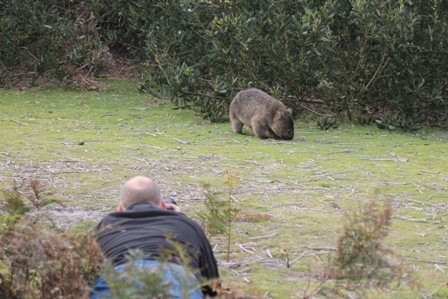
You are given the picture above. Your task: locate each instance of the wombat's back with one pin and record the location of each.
(250, 102)
(254, 97)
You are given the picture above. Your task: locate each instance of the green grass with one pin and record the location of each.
(83, 145)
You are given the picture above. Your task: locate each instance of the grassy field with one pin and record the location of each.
(84, 145)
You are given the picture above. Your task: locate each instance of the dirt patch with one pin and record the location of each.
(56, 180)
(64, 217)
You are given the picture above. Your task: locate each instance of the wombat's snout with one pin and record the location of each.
(289, 134)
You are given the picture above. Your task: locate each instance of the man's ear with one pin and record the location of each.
(120, 209)
(163, 205)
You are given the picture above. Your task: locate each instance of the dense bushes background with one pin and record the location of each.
(48, 39)
(361, 59)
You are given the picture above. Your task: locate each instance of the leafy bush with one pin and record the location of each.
(36, 259)
(36, 262)
(361, 261)
(361, 256)
(48, 38)
(349, 57)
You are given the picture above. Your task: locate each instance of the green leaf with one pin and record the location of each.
(295, 21)
(308, 11)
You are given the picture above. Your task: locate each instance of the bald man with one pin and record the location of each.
(142, 222)
(142, 189)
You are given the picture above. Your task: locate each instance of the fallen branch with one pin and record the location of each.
(427, 203)
(320, 248)
(426, 261)
(245, 249)
(410, 219)
(345, 151)
(298, 258)
(263, 237)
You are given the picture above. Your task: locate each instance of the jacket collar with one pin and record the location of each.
(140, 206)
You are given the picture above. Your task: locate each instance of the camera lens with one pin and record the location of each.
(171, 201)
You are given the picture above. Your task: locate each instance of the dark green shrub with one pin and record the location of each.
(48, 39)
(384, 57)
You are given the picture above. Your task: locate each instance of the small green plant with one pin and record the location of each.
(39, 197)
(213, 218)
(135, 281)
(327, 123)
(361, 254)
(364, 120)
(230, 211)
(15, 205)
(361, 260)
(395, 122)
(220, 213)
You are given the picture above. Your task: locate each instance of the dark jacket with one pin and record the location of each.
(146, 228)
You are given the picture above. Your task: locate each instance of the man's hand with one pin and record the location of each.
(171, 204)
(173, 207)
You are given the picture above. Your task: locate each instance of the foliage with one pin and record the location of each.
(213, 218)
(135, 281)
(361, 261)
(36, 260)
(392, 123)
(220, 213)
(15, 205)
(327, 123)
(361, 256)
(230, 212)
(48, 38)
(350, 57)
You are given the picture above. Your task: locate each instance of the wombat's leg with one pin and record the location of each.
(259, 130)
(237, 125)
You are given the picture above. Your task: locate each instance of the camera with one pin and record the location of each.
(171, 201)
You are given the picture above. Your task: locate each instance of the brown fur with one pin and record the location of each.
(262, 113)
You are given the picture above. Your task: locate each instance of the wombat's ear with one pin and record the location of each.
(290, 110)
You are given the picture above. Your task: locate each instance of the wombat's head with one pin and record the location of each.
(283, 124)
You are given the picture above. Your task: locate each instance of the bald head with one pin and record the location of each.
(140, 189)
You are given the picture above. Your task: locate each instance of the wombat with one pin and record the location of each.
(262, 113)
